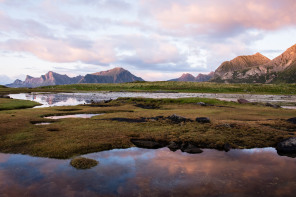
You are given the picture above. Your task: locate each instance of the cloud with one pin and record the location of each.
(5, 80)
(211, 17)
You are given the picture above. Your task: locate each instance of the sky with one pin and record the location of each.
(153, 39)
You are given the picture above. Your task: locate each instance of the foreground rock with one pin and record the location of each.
(150, 144)
(243, 101)
(287, 146)
(292, 120)
(202, 120)
(272, 105)
(178, 119)
(190, 148)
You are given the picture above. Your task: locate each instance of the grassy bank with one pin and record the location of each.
(10, 104)
(240, 126)
(167, 86)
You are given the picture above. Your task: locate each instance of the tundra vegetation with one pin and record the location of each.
(232, 124)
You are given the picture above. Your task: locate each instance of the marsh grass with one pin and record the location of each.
(10, 104)
(241, 126)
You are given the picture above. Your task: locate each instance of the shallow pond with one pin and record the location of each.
(66, 99)
(72, 116)
(143, 172)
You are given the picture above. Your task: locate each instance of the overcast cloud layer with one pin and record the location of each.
(156, 40)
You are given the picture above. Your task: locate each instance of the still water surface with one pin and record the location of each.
(67, 99)
(143, 172)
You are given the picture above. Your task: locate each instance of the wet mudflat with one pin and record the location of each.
(161, 172)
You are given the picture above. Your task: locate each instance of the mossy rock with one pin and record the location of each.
(83, 163)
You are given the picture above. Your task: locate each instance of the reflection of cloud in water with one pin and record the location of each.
(134, 172)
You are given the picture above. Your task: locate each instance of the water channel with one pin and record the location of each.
(64, 99)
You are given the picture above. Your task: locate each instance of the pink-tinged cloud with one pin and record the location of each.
(216, 15)
(62, 51)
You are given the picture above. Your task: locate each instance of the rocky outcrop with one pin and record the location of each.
(149, 144)
(116, 75)
(259, 69)
(198, 78)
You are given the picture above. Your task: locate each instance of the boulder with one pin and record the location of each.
(272, 105)
(226, 147)
(243, 101)
(150, 144)
(178, 119)
(190, 148)
(201, 104)
(173, 146)
(292, 120)
(202, 120)
(287, 146)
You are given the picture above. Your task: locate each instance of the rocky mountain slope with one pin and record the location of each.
(259, 69)
(116, 75)
(50, 78)
(198, 78)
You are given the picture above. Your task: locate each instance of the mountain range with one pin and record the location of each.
(198, 78)
(243, 69)
(115, 75)
(258, 69)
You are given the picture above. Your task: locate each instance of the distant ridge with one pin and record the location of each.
(116, 75)
(50, 78)
(259, 69)
(198, 78)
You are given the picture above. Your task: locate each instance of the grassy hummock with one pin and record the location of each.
(83, 163)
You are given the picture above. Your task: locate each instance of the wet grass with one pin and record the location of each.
(166, 86)
(240, 126)
(10, 104)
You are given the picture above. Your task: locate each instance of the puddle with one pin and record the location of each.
(289, 107)
(72, 116)
(72, 99)
(43, 123)
(143, 172)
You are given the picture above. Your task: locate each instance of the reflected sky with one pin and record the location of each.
(72, 99)
(143, 172)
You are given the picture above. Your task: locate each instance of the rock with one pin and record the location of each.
(226, 147)
(272, 105)
(4, 96)
(173, 146)
(287, 146)
(202, 120)
(190, 148)
(201, 104)
(243, 101)
(178, 119)
(292, 120)
(150, 144)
